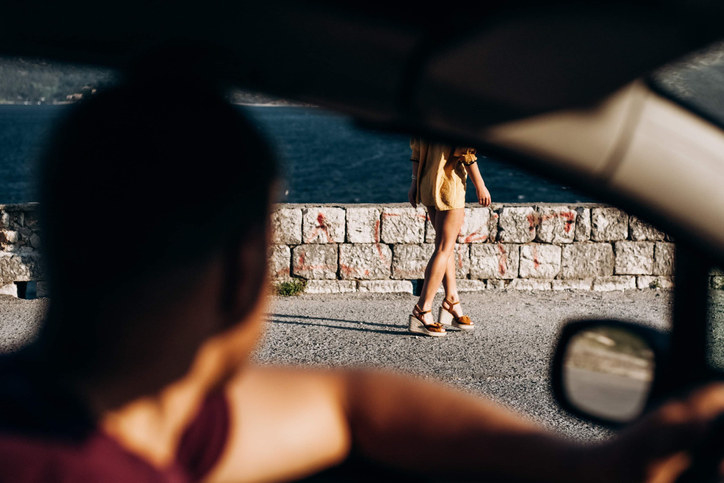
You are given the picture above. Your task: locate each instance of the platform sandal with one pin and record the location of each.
(448, 317)
(418, 325)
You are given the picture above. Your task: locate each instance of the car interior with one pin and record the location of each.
(622, 100)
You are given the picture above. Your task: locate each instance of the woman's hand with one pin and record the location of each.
(412, 194)
(483, 194)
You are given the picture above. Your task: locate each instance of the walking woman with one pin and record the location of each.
(439, 174)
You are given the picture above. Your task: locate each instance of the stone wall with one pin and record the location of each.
(19, 247)
(384, 248)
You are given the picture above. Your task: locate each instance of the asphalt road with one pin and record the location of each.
(506, 358)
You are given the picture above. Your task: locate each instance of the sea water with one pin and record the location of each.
(325, 158)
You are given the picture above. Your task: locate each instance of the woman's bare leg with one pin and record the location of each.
(448, 282)
(447, 226)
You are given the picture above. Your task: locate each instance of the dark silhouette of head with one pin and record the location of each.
(143, 184)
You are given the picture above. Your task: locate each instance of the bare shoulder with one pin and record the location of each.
(285, 422)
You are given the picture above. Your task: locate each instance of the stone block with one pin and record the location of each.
(363, 225)
(365, 261)
(280, 257)
(323, 225)
(385, 286)
(583, 224)
(465, 285)
(462, 260)
(583, 284)
(640, 230)
(586, 260)
(608, 224)
(663, 258)
(717, 271)
(286, 226)
(517, 224)
(500, 284)
(610, 284)
(315, 261)
(20, 267)
(539, 261)
(529, 284)
(9, 289)
(330, 286)
(557, 224)
(494, 261)
(717, 283)
(35, 241)
(12, 217)
(403, 225)
(8, 239)
(646, 282)
(476, 226)
(409, 261)
(634, 258)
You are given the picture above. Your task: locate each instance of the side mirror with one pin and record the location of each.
(607, 371)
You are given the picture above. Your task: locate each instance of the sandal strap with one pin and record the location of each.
(436, 326)
(422, 312)
(451, 303)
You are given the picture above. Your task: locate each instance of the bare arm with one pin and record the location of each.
(288, 423)
(480, 188)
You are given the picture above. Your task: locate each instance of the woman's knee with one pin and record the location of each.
(445, 247)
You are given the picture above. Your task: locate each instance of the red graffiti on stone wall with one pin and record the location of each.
(322, 227)
(502, 259)
(351, 272)
(380, 253)
(568, 217)
(474, 237)
(302, 265)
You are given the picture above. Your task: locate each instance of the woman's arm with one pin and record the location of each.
(468, 156)
(480, 189)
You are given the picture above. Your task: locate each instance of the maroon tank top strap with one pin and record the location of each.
(203, 441)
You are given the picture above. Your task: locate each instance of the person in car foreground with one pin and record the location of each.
(155, 212)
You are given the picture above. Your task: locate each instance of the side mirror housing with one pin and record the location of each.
(608, 371)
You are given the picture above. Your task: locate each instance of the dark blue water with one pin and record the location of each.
(325, 159)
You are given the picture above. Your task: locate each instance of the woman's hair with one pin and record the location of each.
(143, 183)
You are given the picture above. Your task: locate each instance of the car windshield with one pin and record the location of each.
(537, 239)
(697, 82)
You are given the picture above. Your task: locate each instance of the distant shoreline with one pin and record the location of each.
(245, 104)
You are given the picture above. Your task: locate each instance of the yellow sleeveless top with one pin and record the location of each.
(441, 174)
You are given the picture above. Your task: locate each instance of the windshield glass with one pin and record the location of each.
(697, 82)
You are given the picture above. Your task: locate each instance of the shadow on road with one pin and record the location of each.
(294, 320)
